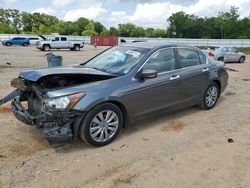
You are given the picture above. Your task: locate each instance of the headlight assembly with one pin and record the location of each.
(64, 102)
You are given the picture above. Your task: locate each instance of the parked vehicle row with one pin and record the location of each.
(96, 99)
(44, 44)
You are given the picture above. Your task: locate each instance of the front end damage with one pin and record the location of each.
(28, 106)
(32, 103)
(57, 127)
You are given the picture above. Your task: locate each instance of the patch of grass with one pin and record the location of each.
(244, 50)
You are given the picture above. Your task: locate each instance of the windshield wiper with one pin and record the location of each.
(101, 70)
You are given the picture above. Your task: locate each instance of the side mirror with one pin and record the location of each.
(148, 73)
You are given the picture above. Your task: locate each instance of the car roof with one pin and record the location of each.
(152, 45)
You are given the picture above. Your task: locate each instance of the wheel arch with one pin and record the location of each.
(241, 57)
(219, 84)
(116, 103)
(46, 45)
(123, 110)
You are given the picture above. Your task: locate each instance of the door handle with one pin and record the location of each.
(174, 77)
(205, 69)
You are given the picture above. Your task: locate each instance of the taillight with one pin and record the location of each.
(211, 54)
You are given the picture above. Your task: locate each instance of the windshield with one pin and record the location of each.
(117, 60)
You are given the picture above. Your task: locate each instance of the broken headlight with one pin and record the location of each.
(64, 102)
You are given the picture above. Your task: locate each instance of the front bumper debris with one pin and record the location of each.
(9, 97)
(58, 134)
(20, 113)
(54, 130)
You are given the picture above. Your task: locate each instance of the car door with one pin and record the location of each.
(64, 42)
(225, 54)
(234, 56)
(194, 74)
(15, 41)
(55, 43)
(151, 94)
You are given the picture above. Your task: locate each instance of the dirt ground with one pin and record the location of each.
(188, 148)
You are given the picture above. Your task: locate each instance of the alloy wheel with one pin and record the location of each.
(211, 96)
(104, 126)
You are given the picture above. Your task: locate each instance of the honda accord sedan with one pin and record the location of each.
(93, 101)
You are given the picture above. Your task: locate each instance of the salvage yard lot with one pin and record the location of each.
(188, 148)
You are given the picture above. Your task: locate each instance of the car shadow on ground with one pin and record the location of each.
(148, 122)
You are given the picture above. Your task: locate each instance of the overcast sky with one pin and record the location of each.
(145, 13)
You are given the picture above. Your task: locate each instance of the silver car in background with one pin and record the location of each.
(227, 54)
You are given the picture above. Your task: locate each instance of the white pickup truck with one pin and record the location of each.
(59, 42)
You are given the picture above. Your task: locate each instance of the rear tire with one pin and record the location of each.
(46, 48)
(101, 125)
(242, 59)
(210, 97)
(77, 48)
(25, 44)
(220, 59)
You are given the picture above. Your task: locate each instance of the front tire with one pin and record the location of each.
(210, 97)
(46, 48)
(25, 44)
(242, 59)
(8, 44)
(101, 125)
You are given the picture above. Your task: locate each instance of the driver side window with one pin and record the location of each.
(162, 61)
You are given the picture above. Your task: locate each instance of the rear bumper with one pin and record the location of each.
(54, 131)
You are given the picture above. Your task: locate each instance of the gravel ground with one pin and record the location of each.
(188, 148)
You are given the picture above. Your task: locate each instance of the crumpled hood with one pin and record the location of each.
(36, 74)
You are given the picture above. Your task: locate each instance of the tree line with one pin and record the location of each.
(180, 25)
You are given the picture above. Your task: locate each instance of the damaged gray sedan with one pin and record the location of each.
(98, 98)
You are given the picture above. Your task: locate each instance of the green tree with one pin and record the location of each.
(81, 24)
(90, 30)
(126, 30)
(98, 27)
(113, 31)
(6, 28)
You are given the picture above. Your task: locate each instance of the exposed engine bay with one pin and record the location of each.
(58, 81)
(58, 124)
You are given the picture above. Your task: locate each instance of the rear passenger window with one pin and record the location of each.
(225, 49)
(63, 39)
(162, 61)
(203, 58)
(188, 57)
(231, 50)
